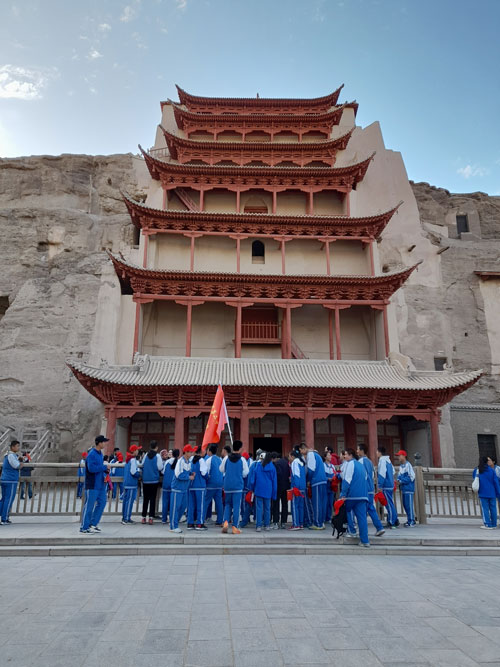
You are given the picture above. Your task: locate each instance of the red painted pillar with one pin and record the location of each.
(179, 427)
(137, 328)
(283, 267)
(275, 201)
(202, 200)
(386, 331)
(348, 203)
(164, 202)
(244, 429)
(110, 430)
(372, 260)
(327, 255)
(372, 435)
(237, 342)
(435, 443)
(238, 254)
(311, 203)
(191, 259)
(238, 201)
(309, 427)
(330, 332)
(288, 344)
(189, 314)
(145, 256)
(338, 353)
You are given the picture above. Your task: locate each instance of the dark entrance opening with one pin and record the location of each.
(268, 445)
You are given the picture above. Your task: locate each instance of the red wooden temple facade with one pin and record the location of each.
(251, 271)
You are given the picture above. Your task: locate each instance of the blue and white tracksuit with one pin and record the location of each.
(166, 488)
(131, 476)
(247, 508)
(116, 472)
(81, 478)
(385, 482)
(264, 484)
(9, 481)
(95, 489)
(298, 481)
(489, 491)
(316, 476)
(406, 479)
(355, 491)
(180, 485)
(351, 522)
(234, 468)
(372, 512)
(214, 486)
(329, 496)
(196, 494)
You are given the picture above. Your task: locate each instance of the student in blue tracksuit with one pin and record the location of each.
(180, 485)
(12, 464)
(351, 521)
(248, 508)
(372, 512)
(489, 491)
(298, 486)
(81, 476)
(214, 483)
(168, 474)
(196, 494)
(234, 468)
(95, 487)
(385, 483)
(406, 479)
(131, 474)
(330, 496)
(264, 485)
(152, 466)
(116, 472)
(316, 477)
(355, 491)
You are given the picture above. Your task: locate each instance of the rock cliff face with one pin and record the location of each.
(57, 215)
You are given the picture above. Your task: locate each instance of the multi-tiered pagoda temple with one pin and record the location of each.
(258, 267)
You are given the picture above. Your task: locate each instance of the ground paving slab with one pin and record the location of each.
(142, 611)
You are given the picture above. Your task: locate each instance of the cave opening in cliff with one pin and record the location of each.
(4, 304)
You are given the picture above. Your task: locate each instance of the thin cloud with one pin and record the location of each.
(472, 171)
(181, 4)
(104, 27)
(94, 54)
(23, 83)
(128, 14)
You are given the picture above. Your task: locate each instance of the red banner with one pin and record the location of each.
(216, 421)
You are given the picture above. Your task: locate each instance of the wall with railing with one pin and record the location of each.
(439, 493)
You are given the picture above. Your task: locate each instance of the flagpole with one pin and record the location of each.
(227, 417)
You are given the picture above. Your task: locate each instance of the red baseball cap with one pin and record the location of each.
(187, 448)
(133, 448)
(401, 453)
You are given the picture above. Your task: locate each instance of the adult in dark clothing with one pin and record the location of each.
(152, 466)
(283, 475)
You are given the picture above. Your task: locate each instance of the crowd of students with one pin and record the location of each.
(233, 488)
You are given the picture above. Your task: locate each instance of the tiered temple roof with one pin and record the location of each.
(244, 152)
(306, 226)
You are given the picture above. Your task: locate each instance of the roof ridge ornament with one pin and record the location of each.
(142, 362)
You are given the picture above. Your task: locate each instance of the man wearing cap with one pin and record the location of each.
(95, 489)
(406, 479)
(131, 476)
(180, 484)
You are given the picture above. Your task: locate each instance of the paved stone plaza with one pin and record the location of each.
(213, 611)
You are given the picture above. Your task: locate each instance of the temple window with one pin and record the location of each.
(462, 224)
(258, 252)
(439, 363)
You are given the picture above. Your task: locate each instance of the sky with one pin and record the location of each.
(87, 76)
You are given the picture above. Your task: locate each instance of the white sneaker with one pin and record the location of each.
(183, 519)
(175, 530)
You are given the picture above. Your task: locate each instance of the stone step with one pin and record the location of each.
(95, 548)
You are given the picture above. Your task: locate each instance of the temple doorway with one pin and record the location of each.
(268, 445)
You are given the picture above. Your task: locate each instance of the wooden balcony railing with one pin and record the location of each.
(260, 332)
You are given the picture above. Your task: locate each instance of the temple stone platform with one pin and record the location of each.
(60, 536)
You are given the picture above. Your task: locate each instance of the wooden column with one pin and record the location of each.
(202, 200)
(348, 203)
(237, 342)
(327, 255)
(145, 256)
(191, 259)
(372, 435)
(435, 443)
(372, 259)
(189, 325)
(244, 430)
(179, 427)
(137, 327)
(330, 333)
(238, 201)
(309, 427)
(338, 354)
(275, 201)
(283, 267)
(386, 331)
(111, 429)
(164, 200)
(311, 203)
(288, 343)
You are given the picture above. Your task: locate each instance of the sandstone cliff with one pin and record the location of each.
(57, 215)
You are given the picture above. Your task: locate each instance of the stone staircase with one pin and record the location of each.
(38, 441)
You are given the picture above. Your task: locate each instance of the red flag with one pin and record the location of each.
(216, 421)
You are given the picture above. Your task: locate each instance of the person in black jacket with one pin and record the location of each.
(283, 474)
